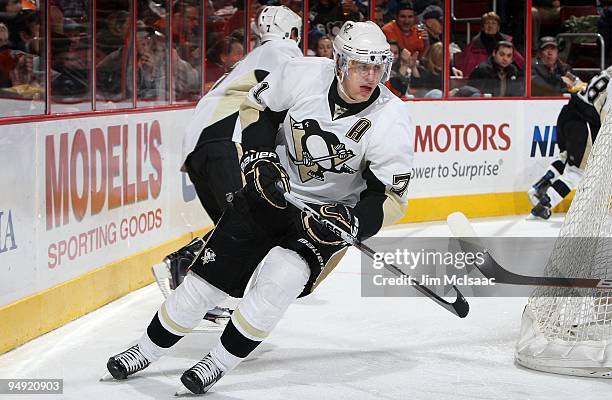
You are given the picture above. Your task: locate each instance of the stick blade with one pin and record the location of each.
(459, 225)
(462, 229)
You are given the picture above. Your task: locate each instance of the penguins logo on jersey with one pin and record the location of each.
(209, 256)
(318, 151)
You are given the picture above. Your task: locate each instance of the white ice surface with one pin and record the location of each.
(333, 344)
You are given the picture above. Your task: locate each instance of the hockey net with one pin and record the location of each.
(569, 331)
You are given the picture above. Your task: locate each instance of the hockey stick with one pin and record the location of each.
(468, 239)
(459, 307)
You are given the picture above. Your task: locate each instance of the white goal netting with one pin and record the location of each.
(569, 331)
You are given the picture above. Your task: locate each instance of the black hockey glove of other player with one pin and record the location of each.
(338, 214)
(262, 170)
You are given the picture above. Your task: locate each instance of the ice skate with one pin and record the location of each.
(126, 363)
(538, 190)
(171, 271)
(540, 211)
(200, 378)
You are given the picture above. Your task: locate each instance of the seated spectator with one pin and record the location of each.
(481, 47)
(187, 32)
(25, 32)
(9, 9)
(498, 76)
(403, 29)
(19, 60)
(324, 47)
(115, 71)
(222, 57)
(548, 71)
(433, 19)
(7, 62)
(401, 70)
(112, 33)
(428, 74)
(313, 39)
(71, 79)
(385, 11)
(326, 11)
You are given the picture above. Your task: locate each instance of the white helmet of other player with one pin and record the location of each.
(277, 22)
(365, 43)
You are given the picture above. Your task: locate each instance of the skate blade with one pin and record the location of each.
(161, 272)
(182, 391)
(532, 217)
(107, 377)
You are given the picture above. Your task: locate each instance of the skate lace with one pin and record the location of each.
(132, 359)
(207, 371)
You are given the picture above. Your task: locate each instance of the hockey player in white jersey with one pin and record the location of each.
(210, 157)
(577, 127)
(333, 135)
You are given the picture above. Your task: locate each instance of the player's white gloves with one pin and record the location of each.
(261, 172)
(340, 215)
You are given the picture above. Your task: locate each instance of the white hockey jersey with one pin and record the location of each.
(224, 99)
(333, 151)
(597, 92)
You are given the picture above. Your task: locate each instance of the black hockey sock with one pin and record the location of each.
(559, 166)
(560, 187)
(236, 343)
(160, 335)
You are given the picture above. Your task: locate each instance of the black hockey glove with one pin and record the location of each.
(340, 215)
(261, 172)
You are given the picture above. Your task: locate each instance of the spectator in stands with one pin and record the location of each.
(385, 11)
(222, 57)
(71, 79)
(326, 11)
(324, 47)
(401, 71)
(481, 47)
(403, 29)
(433, 19)
(9, 9)
(186, 31)
(313, 39)
(115, 71)
(498, 76)
(427, 75)
(76, 10)
(7, 62)
(25, 32)
(112, 33)
(548, 71)
(16, 66)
